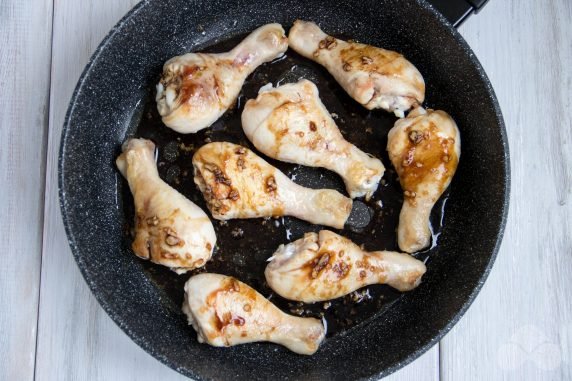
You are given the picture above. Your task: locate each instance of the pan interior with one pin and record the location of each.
(244, 246)
(114, 101)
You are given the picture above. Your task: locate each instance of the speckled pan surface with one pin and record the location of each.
(113, 101)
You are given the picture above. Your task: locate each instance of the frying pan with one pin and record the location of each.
(371, 333)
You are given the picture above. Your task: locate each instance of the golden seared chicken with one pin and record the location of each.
(236, 183)
(290, 123)
(323, 266)
(170, 230)
(225, 312)
(424, 148)
(375, 77)
(197, 88)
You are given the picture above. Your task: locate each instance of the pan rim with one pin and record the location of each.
(147, 346)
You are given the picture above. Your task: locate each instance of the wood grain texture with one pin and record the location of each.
(77, 340)
(520, 327)
(25, 39)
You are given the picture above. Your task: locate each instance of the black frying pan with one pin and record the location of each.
(370, 335)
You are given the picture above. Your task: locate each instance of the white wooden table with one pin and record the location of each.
(520, 326)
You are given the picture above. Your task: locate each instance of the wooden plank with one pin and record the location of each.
(425, 367)
(76, 338)
(25, 40)
(520, 327)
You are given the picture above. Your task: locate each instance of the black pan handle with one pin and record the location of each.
(457, 11)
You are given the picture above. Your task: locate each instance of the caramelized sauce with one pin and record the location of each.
(427, 155)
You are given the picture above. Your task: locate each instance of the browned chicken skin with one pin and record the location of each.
(323, 266)
(236, 183)
(225, 312)
(424, 148)
(374, 77)
(169, 229)
(290, 123)
(197, 88)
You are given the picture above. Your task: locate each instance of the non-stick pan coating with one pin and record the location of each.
(114, 100)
